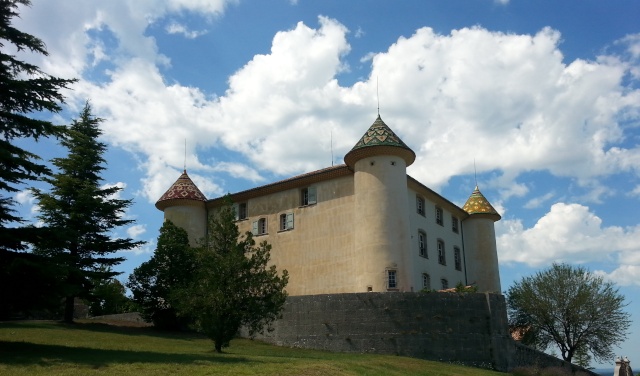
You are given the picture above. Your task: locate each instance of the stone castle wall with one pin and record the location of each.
(469, 329)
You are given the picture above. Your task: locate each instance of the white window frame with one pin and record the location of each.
(286, 221)
(259, 227)
(242, 214)
(392, 279)
(426, 281)
(442, 257)
(422, 244)
(308, 196)
(420, 205)
(439, 215)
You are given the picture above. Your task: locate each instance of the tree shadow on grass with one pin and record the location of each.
(24, 353)
(102, 328)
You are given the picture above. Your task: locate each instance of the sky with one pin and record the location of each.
(536, 101)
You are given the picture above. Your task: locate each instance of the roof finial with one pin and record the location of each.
(475, 172)
(378, 95)
(331, 138)
(185, 155)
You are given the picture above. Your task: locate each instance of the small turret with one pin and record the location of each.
(381, 212)
(184, 205)
(480, 243)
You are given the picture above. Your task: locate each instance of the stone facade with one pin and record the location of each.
(365, 226)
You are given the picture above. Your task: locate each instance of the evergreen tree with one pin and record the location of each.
(25, 89)
(82, 214)
(152, 283)
(232, 285)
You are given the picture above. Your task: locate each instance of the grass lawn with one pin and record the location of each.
(49, 348)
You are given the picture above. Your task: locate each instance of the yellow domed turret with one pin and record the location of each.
(480, 243)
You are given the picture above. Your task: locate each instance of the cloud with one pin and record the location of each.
(568, 233)
(536, 202)
(177, 28)
(135, 231)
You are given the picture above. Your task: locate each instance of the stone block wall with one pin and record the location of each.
(469, 329)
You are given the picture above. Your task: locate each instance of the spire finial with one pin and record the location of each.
(378, 95)
(185, 155)
(475, 172)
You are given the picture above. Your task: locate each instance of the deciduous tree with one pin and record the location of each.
(233, 284)
(571, 308)
(172, 265)
(82, 213)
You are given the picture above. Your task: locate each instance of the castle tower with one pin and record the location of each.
(480, 243)
(184, 205)
(381, 211)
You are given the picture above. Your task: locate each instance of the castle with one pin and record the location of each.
(363, 226)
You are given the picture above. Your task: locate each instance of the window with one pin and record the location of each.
(286, 221)
(420, 205)
(259, 227)
(454, 224)
(441, 257)
(439, 216)
(426, 281)
(422, 244)
(456, 258)
(242, 210)
(392, 282)
(308, 196)
(445, 283)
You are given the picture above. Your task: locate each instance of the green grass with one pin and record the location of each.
(48, 348)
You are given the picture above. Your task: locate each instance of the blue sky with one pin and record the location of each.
(543, 95)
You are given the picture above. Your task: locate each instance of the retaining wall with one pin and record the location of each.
(469, 329)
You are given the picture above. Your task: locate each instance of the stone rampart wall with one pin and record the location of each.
(525, 356)
(469, 328)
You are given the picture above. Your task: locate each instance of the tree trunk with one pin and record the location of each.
(218, 346)
(68, 309)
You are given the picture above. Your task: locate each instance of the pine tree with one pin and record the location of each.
(25, 89)
(82, 214)
(232, 286)
(153, 282)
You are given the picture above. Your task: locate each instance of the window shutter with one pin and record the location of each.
(236, 211)
(254, 228)
(289, 221)
(312, 195)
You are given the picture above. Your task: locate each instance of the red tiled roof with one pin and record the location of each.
(183, 189)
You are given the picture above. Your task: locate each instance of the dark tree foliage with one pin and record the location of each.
(109, 297)
(25, 90)
(82, 214)
(233, 286)
(571, 308)
(29, 286)
(171, 266)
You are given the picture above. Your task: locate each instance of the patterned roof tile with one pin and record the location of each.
(379, 134)
(478, 204)
(183, 189)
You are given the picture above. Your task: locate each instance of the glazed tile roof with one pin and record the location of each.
(478, 204)
(380, 136)
(183, 189)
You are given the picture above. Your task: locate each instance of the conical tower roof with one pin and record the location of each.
(379, 139)
(182, 191)
(477, 204)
